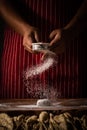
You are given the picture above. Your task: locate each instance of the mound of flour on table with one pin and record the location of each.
(43, 102)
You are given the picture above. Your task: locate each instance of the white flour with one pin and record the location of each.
(34, 86)
(38, 69)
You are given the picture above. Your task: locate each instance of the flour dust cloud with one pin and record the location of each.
(34, 86)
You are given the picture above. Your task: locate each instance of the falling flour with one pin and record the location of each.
(46, 64)
(35, 87)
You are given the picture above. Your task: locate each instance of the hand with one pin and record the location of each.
(31, 35)
(58, 40)
(57, 43)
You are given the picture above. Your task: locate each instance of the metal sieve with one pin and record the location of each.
(39, 46)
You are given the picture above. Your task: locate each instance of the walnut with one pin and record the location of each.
(52, 123)
(77, 122)
(65, 121)
(30, 122)
(5, 122)
(84, 122)
(43, 117)
(18, 120)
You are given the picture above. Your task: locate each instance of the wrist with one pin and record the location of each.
(25, 29)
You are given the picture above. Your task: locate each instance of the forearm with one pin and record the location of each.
(12, 18)
(79, 21)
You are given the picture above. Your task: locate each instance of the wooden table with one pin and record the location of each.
(30, 104)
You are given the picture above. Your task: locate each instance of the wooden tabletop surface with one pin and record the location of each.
(30, 104)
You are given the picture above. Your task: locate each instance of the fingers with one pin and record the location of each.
(57, 43)
(55, 36)
(45, 55)
(28, 39)
(28, 49)
(55, 40)
(37, 36)
(34, 36)
(52, 34)
(27, 44)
